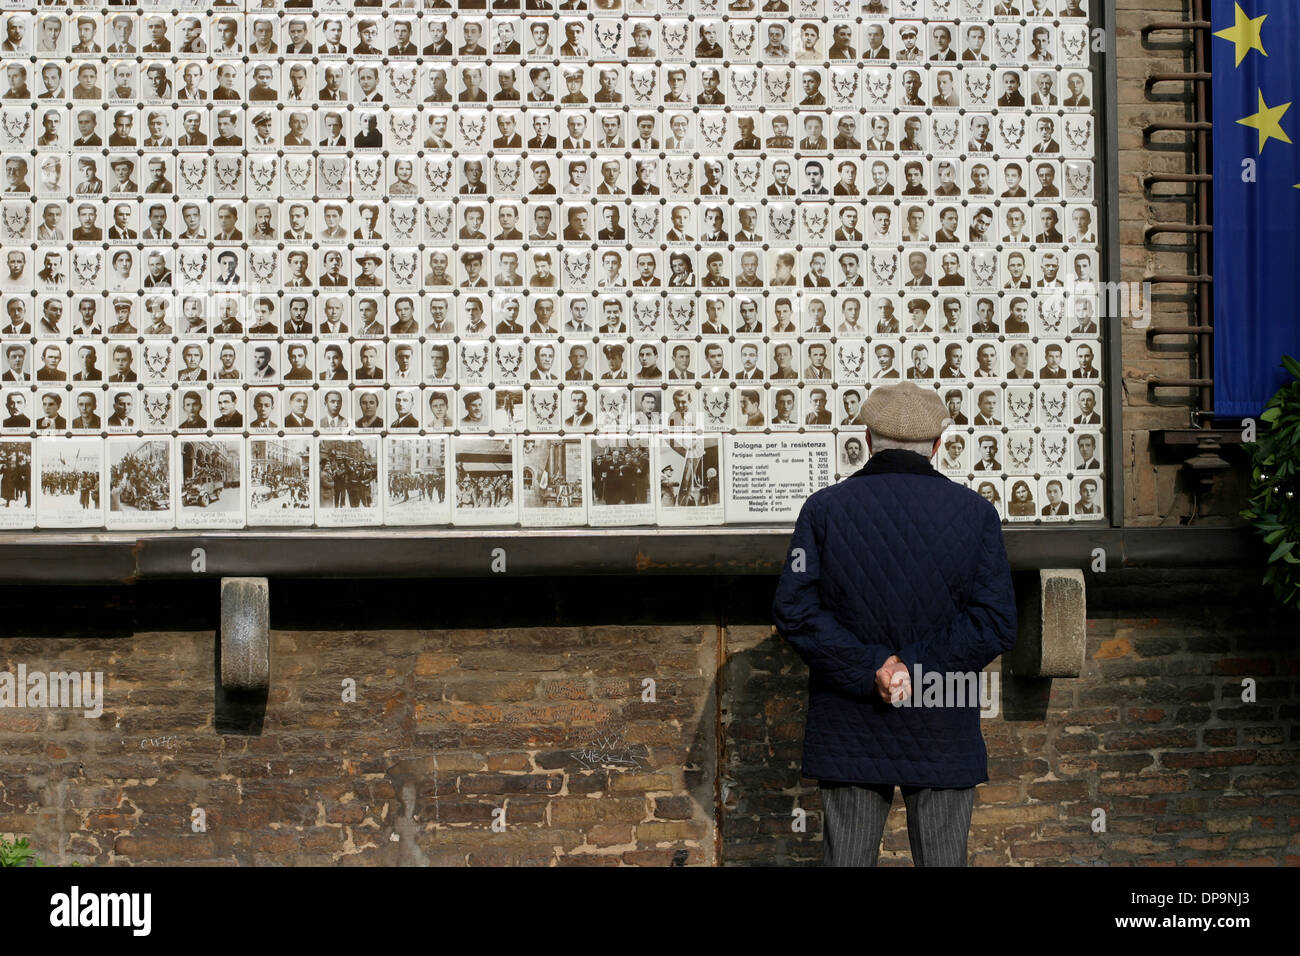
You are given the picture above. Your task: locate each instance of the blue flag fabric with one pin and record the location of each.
(1256, 68)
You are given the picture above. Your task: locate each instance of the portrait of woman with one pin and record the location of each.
(1022, 501)
(989, 492)
(682, 271)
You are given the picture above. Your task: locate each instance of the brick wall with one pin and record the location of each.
(527, 697)
(551, 726)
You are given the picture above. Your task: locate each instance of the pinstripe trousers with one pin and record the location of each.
(938, 823)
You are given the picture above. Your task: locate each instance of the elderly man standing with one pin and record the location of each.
(896, 571)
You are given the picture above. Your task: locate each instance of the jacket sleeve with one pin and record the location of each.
(986, 626)
(832, 652)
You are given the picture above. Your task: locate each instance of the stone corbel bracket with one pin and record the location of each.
(1053, 626)
(245, 634)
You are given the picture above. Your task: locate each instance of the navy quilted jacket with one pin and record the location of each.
(894, 560)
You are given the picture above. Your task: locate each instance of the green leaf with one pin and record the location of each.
(1275, 474)
(1283, 548)
(14, 854)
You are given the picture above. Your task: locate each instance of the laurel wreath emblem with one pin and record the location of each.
(884, 266)
(744, 84)
(402, 82)
(1079, 177)
(675, 38)
(262, 174)
(298, 173)
(157, 360)
(227, 171)
(16, 128)
(679, 316)
(1008, 40)
(474, 360)
(1079, 134)
(438, 176)
(194, 172)
(333, 171)
(777, 85)
(781, 220)
(87, 265)
(437, 222)
(645, 314)
(18, 222)
(609, 36)
(1012, 133)
(742, 34)
(642, 84)
(369, 174)
(158, 408)
(402, 126)
(717, 405)
(978, 88)
(844, 88)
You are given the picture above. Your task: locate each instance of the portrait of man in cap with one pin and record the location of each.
(123, 170)
(263, 126)
(123, 326)
(369, 276)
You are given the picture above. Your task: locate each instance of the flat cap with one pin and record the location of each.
(905, 412)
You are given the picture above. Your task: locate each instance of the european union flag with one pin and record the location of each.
(1256, 200)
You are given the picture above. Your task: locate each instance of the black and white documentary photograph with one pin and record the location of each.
(347, 476)
(552, 481)
(689, 473)
(415, 480)
(483, 489)
(619, 469)
(280, 486)
(140, 483)
(211, 483)
(70, 479)
(17, 464)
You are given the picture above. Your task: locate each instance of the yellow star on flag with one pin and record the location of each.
(1268, 121)
(1245, 34)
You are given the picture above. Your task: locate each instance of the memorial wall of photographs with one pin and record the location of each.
(601, 262)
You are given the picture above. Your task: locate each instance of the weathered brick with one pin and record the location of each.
(507, 783)
(659, 832)
(577, 811)
(674, 808)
